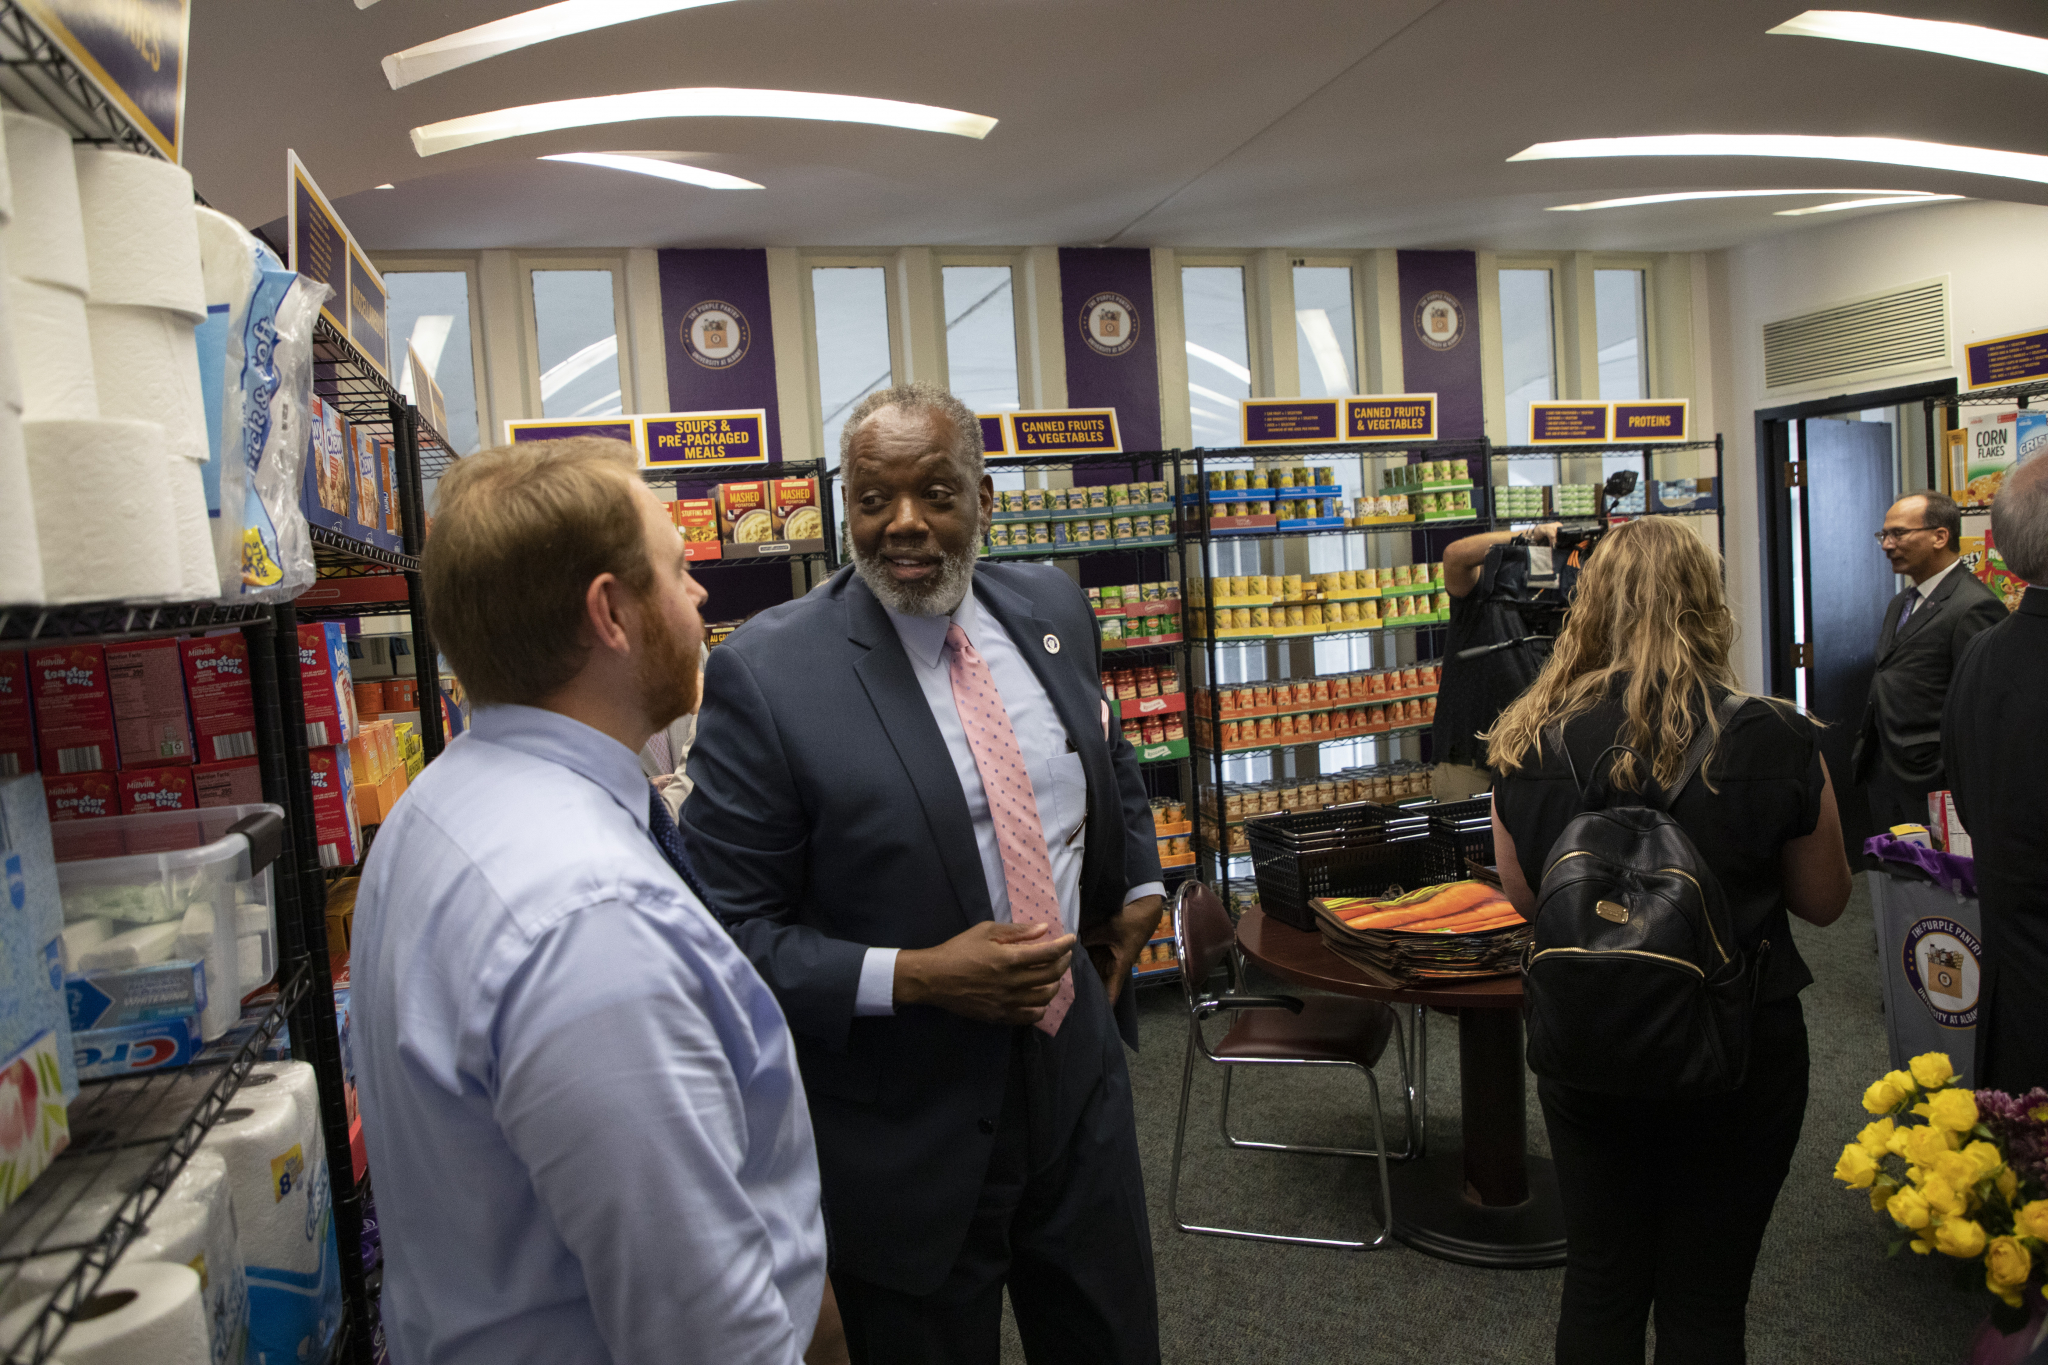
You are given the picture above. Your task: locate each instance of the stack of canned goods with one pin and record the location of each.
(1387, 782)
(1287, 484)
(1171, 814)
(1426, 474)
(1366, 686)
(1273, 476)
(1152, 731)
(1314, 727)
(1286, 588)
(1136, 613)
(1070, 515)
(1130, 684)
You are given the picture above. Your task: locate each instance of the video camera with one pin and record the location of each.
(1550, 595)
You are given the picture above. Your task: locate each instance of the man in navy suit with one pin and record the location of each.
(860, 791)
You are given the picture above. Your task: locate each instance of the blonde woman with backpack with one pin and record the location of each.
(1657, 826)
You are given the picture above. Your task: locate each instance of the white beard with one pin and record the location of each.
(939, 595)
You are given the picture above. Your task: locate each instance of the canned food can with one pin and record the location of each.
(1060, 534)
(1098, 496)
(1034, 499)
(999, 537)
(1156, 492)
(1120, 528)
(1326, 476)
(1169, 680)
(1238, 479)
(1041, 533)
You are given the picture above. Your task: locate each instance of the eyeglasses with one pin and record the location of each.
(1892, 535)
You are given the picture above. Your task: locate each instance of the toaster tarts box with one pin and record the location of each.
(387, 465)
(795, 515)
(335, 827)
(144, 791)
(223, 703)
(324, 679)
(746, 520)
(151, 720)
(74, 709)
(17, 718)
(86, 796)
(325, 495)
(697, 520)
(230, 782)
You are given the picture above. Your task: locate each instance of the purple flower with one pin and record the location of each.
(2019, 1125)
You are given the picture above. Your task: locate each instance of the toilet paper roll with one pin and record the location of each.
(277, 1177)
(103, 517)
(83, 934)
(227, 262)
(151, 361)
(53, 352)
(143, 946)
(197, 577)
(6, 184)
(194, 1227)
(145, 1311)
(21, 556)
(141, 240)
(46, 238)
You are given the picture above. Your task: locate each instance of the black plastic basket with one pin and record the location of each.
(1361, 850)
(1468, 824)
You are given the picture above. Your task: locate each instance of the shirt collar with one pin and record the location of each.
(1927, 588)
(556, 738)
(924, 637)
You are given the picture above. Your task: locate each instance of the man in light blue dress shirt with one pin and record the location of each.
(589, 1133)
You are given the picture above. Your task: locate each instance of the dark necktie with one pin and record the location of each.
(1912, 601)
(661, 827)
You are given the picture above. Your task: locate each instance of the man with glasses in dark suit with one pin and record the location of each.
(1898, 752)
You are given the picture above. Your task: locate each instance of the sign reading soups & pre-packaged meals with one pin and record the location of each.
(677, 440)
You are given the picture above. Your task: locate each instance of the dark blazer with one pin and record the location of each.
(828, 818)
(1995, 744)
(1901, 733)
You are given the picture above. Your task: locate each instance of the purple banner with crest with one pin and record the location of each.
(1440, 337)
(1112, 350)
(720, 342)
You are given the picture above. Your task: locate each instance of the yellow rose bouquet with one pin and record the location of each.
(1968, 1180)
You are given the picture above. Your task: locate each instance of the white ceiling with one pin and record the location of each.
(1293, 123)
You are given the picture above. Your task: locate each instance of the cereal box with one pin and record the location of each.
(697, 519)
(325, 491)
(369, 512)
(74, 710)
(1995, 442)
(17, 724)
(387, 472)
(324, 679)
(795, 513)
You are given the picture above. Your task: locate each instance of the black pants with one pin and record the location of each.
(1893, 802)
(1665, 1203)
(1061, 1221)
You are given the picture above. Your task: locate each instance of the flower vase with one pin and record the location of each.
(2028, 1346)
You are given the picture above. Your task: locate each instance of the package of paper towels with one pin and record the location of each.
(21, 555)
(145, 1313)
(46, 239)
(103, 515)
(141, 241)
(277, 1174)
(53, 349)
(10, 369)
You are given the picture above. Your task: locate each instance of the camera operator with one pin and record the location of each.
(1487, 576)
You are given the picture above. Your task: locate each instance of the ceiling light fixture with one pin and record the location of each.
(1971, 42)
(1866, 204)
(387, 186)
(1890, 151)
(663, 170)
(704, 102)
(520, 30)
(1684, 195)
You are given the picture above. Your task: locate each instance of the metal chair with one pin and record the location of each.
(1276, 1030)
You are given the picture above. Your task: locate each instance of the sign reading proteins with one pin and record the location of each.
(1653, 419)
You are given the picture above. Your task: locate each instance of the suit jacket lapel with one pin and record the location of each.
(899, 702)
(1931, 607)
(1889, 636)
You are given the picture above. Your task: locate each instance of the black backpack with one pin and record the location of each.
(1634, 983)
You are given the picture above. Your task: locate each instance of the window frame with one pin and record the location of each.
(892, 305)
(1647, 267)
(1246, 264)
(447, 263)
(1359, 263)
(1013, 260)
(524, 263)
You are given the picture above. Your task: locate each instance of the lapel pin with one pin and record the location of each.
(1052, 644)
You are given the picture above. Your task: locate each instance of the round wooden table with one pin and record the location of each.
(1488, 1202)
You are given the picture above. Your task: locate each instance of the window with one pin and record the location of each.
(850, 305)
(1527, 346)
(1219, 352)
(430, 310)
(1323, 334)
(1620, 333)
(981, 336)
(576, 338)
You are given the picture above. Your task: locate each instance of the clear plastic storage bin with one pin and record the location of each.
(196, 883)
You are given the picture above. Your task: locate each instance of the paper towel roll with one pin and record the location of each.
(145, 1311)
(53, 350)
(197, 578)
(227, 261)
(21, 556)
(6, 184)
(103, 516)
(10, 368)
(151, 364)
(141, 239)
(46, 239)
(277, 1175)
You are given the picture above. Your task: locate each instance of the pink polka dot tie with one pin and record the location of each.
(1020, 836)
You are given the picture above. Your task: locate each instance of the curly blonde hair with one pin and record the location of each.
(1649, 616)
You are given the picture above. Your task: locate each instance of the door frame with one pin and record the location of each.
(1774, 506)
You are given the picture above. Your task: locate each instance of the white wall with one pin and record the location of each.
(1996, 259)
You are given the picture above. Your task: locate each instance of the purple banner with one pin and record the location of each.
(1440, 337)
(2008, 360)
(561, 429)
(1112, 354)
(721, 346)
(1289, 421)
(1649, 421)
(992, 440)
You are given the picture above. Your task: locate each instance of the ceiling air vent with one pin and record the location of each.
(1879, 334)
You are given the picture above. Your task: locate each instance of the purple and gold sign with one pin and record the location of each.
(1440, 342)
(995, 438)
(1290, 421)
(1552, 424)
(134, 52)
(366, 307)
(677, 440)
(1661, 420)
(1112, 350)
(2008, 360)
(319, 243)
(562, 428)
(1391, 417)
(1066, 431)
(721, 346)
